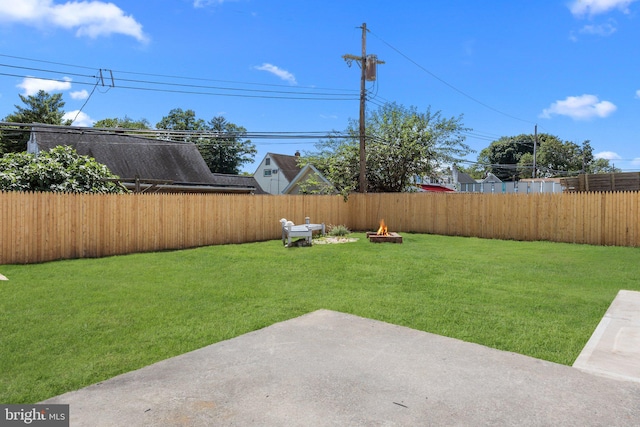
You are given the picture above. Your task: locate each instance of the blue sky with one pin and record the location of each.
(571, 67)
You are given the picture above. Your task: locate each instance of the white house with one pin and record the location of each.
(276, 171)
(281, 174)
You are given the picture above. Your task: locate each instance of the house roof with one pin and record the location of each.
(237, 181)
(491, 178)
(465, 178)
(435, 188)
(134, 157)
(303, 175)
(288, 165)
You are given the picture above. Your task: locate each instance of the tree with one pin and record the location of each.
(502, 157)
(401, 143)
(181, 120)
(40, 108)
(124, 123)
(601, 166)
(225, 151)
(511, 158)
(61, 169)
(220, 142)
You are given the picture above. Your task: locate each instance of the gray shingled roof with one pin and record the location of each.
(288, 165)
(237, 181)
(464, 178)
(132, 156)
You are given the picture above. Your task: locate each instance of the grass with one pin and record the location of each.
(68, 324)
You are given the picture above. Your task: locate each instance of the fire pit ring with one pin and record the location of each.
(383, 235)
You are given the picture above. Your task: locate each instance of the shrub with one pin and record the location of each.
(61, 169)
(338, 230)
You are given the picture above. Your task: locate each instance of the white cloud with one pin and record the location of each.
(79, 94)
(88, 18)
(599, 30)
(283, 74)
(608, 155)
(582, 107)
(204, 3)
(79, 118)
(32, 85)
(596, 7)
(638, 94)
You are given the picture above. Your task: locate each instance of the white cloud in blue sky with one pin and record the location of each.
(583, 107)
(88, 18)
(31, 86)
(204, 3)
(277, 71)
(638, 94)
(597, 7)
(608, 155)
(606, 29)
(79, 118)
(79, 94)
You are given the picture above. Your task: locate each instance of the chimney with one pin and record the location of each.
(297, 153)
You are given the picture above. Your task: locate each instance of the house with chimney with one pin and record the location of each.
(282, 174)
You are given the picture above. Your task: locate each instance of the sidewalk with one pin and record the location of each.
(333, 369)
(614, 348)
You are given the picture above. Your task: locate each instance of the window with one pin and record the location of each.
(267, 172)
(267, 161)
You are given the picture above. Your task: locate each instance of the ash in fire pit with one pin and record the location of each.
(383, 235)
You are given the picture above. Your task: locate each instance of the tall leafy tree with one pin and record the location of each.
(181, 120)
(123, 123)
(401, 143)
(221, 143)
(39, 108)
(502, 157)
(511, 158)
(225, 150)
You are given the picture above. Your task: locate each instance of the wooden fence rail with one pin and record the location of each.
(38, 227)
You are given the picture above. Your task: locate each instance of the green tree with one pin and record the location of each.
(338, 160)
(314, 185)
(602, 166)
(39, 108)
(61, 169)
(181, 120)
(401, 143)
(512, 157)
(502, 157)
(224, 150)
(220, 142)
(122, 123)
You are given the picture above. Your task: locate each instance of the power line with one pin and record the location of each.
(298, 90)
(449, 84)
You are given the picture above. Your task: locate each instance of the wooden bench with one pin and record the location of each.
(289, 230)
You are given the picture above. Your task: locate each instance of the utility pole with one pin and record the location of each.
(535, 144)
(362, 60)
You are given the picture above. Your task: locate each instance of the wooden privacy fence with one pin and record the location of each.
(37, 227)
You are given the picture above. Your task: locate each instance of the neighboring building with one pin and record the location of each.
(276, 171)
(143, 164)
(281, 174)
(492, 184)
(316, 182)
(434, 188)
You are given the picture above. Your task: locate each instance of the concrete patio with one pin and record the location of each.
(328, 369)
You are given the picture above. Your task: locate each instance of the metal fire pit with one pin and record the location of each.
(390, 237)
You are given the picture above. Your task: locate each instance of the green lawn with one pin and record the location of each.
(68, 324)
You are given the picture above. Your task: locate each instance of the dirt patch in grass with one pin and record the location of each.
(331, 239)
